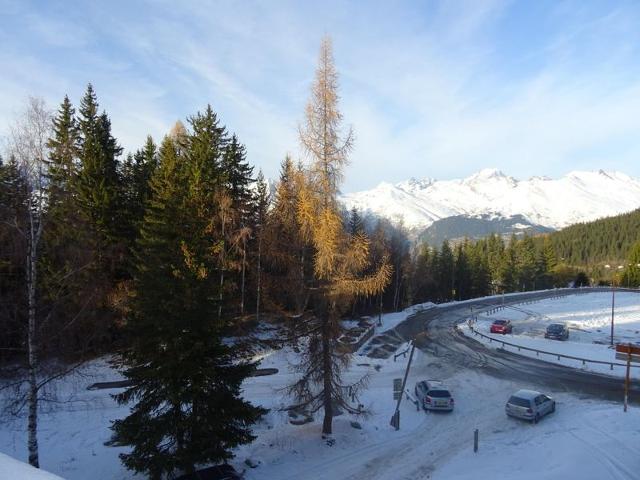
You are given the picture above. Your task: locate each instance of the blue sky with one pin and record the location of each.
(432, 89)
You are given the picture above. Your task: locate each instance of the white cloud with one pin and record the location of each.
(431, 89)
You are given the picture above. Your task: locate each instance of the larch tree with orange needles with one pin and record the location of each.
(340, 259)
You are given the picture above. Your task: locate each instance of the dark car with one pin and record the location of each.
(501, 326)
(217, 472)
(557, 331)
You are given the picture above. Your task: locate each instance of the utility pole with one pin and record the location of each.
(395, 420)
(613, 302)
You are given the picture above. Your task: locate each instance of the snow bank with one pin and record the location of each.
(12, 469)
(391, 320)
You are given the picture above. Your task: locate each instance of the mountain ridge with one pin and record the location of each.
(579, 196)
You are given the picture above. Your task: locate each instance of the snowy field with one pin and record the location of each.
(588, 318)
(584, 439)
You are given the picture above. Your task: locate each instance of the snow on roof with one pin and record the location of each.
(526, 394)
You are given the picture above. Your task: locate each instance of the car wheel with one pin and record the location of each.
(536, 419)
(553, 407)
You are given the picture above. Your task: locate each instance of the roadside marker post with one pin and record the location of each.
(630, 353)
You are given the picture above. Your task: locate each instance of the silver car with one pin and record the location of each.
(529, 405)
(433, 395)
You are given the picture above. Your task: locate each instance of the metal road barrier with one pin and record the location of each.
(552, 354)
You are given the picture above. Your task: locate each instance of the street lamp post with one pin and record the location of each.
(613, 302)
(613, 299)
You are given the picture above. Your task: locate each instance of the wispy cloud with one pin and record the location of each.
(432, 89)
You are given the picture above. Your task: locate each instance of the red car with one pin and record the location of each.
(501, 326)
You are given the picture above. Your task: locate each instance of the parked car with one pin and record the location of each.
(501, 326)
(529, 405)
(434, 395)
(557, 331)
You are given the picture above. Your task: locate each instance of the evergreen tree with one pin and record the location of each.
(13, 248)
(262, 202)
(186, 379)
(507, 276)
(238, 177)
(549, 253)
(445, 273)
(136, 173)
(62, 161)
(356, 226)
(463, 281)
(98, 185)
(526, 263)
(631, 274)
(287, 254)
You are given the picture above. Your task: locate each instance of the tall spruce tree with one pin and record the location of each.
(186, 379)
(262, 201)
(98, 185)
(238, 178)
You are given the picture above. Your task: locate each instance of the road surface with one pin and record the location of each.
(434, 332)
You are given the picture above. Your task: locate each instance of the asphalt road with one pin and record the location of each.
(434, 332)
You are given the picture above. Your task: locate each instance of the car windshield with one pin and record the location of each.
(439, 393)
(555, 327)
(520, 402)
(500, 322)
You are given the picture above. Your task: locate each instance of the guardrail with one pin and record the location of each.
(552, 354)
(402, 354)
(560, 293)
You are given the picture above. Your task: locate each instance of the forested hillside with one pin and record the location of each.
(607, 240)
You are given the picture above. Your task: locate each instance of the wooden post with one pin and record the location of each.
(475, 441)
(626, 380)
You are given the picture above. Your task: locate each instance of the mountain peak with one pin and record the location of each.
(489, 173)
(579, 196)
(416, 183)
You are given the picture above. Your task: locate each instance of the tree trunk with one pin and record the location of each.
(396, 292)
(327, 377)
(259, 276)
(32, 398)
(244, 262)
(300, 300)
(222, 265)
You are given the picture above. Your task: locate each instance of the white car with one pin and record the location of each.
(529, 405)
(433, 395)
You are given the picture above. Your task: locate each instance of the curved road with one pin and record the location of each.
(434, 332)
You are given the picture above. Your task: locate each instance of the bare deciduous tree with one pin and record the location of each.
(28, 145)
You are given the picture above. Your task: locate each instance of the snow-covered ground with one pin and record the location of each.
(589, 320)
(391, 320)
(585, 439)
(10, 468)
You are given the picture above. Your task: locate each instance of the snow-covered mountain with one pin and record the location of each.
(554, 203)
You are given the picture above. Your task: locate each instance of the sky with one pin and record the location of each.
(437, 89)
